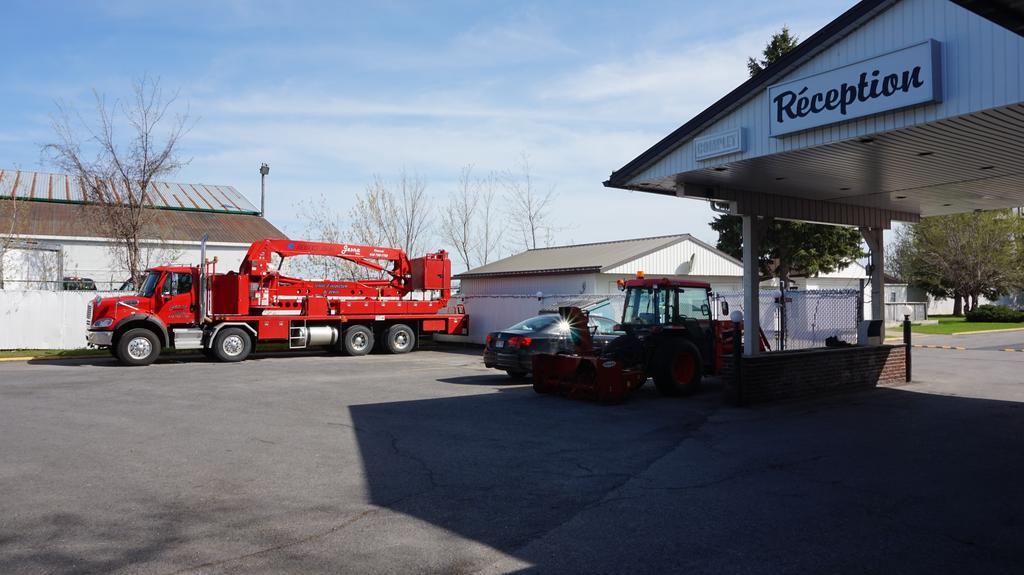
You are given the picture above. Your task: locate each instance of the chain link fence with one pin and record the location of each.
(804, 319)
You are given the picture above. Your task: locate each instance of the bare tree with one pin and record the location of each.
(8, 227)
(116, 172)
(322, 223)
(528, 206)
(488, 229)
(458, 220)
(395, 214)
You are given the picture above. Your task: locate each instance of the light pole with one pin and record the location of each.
(264, 170)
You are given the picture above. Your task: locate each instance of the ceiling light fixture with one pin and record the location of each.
(866, 140)
(922, 154)
(780, 178)
(844, 189)
(721, 169)
(901, 197)
(986, 167)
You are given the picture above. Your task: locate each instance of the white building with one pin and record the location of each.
(55, 240)
(504, 292)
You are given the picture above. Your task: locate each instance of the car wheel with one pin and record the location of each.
(138, 346)
(358, 340)
(232, 344)
(400, 338)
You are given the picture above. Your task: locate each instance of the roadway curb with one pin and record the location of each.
(925, 346)
(988, 331)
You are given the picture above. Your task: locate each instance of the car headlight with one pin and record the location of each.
(104, 322)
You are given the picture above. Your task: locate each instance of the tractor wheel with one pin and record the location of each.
(358, 340)
(232, 344)
(625, 348)
(399, 338)
(138, 346)
(677, 368)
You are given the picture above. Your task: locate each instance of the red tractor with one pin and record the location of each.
(670, 337)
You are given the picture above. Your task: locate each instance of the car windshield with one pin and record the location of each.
(149, 284)
(536, 324)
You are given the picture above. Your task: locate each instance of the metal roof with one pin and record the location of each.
(595, 257)
(62, 188)
(65, 219)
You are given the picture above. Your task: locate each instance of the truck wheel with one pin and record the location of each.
(677, 368)
(232, 344)
(138, 346)
(400, 339)
(358, 340)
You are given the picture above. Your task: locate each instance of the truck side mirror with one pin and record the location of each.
(725, 308)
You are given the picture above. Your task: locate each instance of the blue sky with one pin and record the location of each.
(331, 93)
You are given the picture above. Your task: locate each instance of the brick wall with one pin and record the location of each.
(795, 374)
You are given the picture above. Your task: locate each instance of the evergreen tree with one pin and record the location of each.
(790, 249)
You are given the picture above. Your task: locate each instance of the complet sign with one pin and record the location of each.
(730, 142)
(899, 79)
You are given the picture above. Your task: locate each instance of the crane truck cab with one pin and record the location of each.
(135, 327)
(225, 315)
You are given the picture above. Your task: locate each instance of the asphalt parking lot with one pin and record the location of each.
(429, 463)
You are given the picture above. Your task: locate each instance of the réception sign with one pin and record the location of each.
(899, 79)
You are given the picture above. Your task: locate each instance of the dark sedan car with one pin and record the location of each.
(512, 349)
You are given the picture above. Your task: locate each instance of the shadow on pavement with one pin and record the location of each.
(888, 480)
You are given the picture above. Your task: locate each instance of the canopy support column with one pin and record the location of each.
(753, 232)
(873, 237)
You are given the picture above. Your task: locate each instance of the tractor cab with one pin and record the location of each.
(664, 307)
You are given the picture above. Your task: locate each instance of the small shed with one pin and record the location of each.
(501, 293)
(504, 292)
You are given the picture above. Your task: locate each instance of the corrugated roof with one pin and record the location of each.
(38, 218)
(61, 188)
(579, 258)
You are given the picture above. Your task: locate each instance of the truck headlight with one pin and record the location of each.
(104, 322)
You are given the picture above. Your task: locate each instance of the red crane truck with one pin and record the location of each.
(226, 314)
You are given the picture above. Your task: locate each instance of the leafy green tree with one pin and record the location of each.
(964, 256)
(793, 249)
(790, 249)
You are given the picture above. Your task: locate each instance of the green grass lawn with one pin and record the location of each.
(56, 353)
(51, 352)
(949, 324)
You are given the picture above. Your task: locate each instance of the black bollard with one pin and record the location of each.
(737, 359)
(906, 341)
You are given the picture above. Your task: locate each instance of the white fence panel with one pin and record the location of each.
(43, 319)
